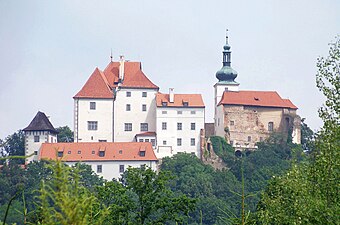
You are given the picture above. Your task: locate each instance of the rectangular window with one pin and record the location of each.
(179, 112)
(101, 140)
(36, 138)
(128, 107)
(193, 126)
(164, 126)
(35, 152)
(164, 112)
(144, 127)
(69, 152)
(60, 154)
(121, 168)
(127, 126)
(193, 112)
(93, 152)
(92, 125)
(143, 108)
(232, 123)
(146, 140)
(140, 140)
(249, 138)
(120, 151)
(164, 142)
(142, 153)
(79, 152)
(153, 142)
(270, 126)
(185, 103)
(179, 126)
(179, 141)
(99, 168)
(164, 103)
(192, 142)
(261, 139)
(128, 94)
(231, 143)
(144, 94)
(92, 105)
(101, 153)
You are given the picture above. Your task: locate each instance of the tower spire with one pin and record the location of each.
(226, 51)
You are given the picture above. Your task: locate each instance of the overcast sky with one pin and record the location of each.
(48, 49)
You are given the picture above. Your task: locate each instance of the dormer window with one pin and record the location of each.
(120, 151)
(60, 154)
(256, 99)
(142, 153)
(185, 103)
(164, 103)
(101, 153)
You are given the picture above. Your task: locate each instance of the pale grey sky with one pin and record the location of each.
(48, 49)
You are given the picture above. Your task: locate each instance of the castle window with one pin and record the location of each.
(92, 105)
(121, 169)
(179, 126)
(164, 126)
(144, 127)
(193, 112)
(128, 94)
(193, 126)
(143, 108)
(147, 140)
(261, 139)
(92, 125)
(164, 142)
(101, 153)
(192, 142)
(164, 112)
(185, 103)
(127, 126)
(102, 140)
(270, 126)
(179, 112)
(99, 168)
(140, 140)
(232, 123)
(142, 153)
(164, 103)
(128, 107)
(35, 152)
(179, 141)
(144, 94)
(36, 138)
(231, 143)
(249, 138)
(153, 142)
(60, 154)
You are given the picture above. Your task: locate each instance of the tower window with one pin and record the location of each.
(99, 168)
(92, 105)
(270, 126)
(144, 127)
(164, 126)
(92, 125)
(36, 138)
(127, 126)
(143, 108)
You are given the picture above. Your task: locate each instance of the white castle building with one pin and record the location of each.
(120, 104)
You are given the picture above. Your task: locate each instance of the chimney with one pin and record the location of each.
(171, 95)
(121, 68)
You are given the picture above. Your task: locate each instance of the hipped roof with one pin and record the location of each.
(40, 123)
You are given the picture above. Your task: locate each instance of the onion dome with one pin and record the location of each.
(226, 73)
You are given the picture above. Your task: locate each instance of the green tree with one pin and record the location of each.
(309, 192)
(13, 145)
(65, 134)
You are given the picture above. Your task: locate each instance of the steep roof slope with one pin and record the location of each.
(97, 86)
(89, 151)
(255, 98)
(193, 100)
(40, 123)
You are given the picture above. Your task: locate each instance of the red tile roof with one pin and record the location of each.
(96, 86)
(100, 83)
(117, 151)
(193, 100)
(255, 98)
(147, 134)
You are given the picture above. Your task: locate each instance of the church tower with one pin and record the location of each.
(226, 77)
(39, 131)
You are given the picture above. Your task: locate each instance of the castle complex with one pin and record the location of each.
(121, 119)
